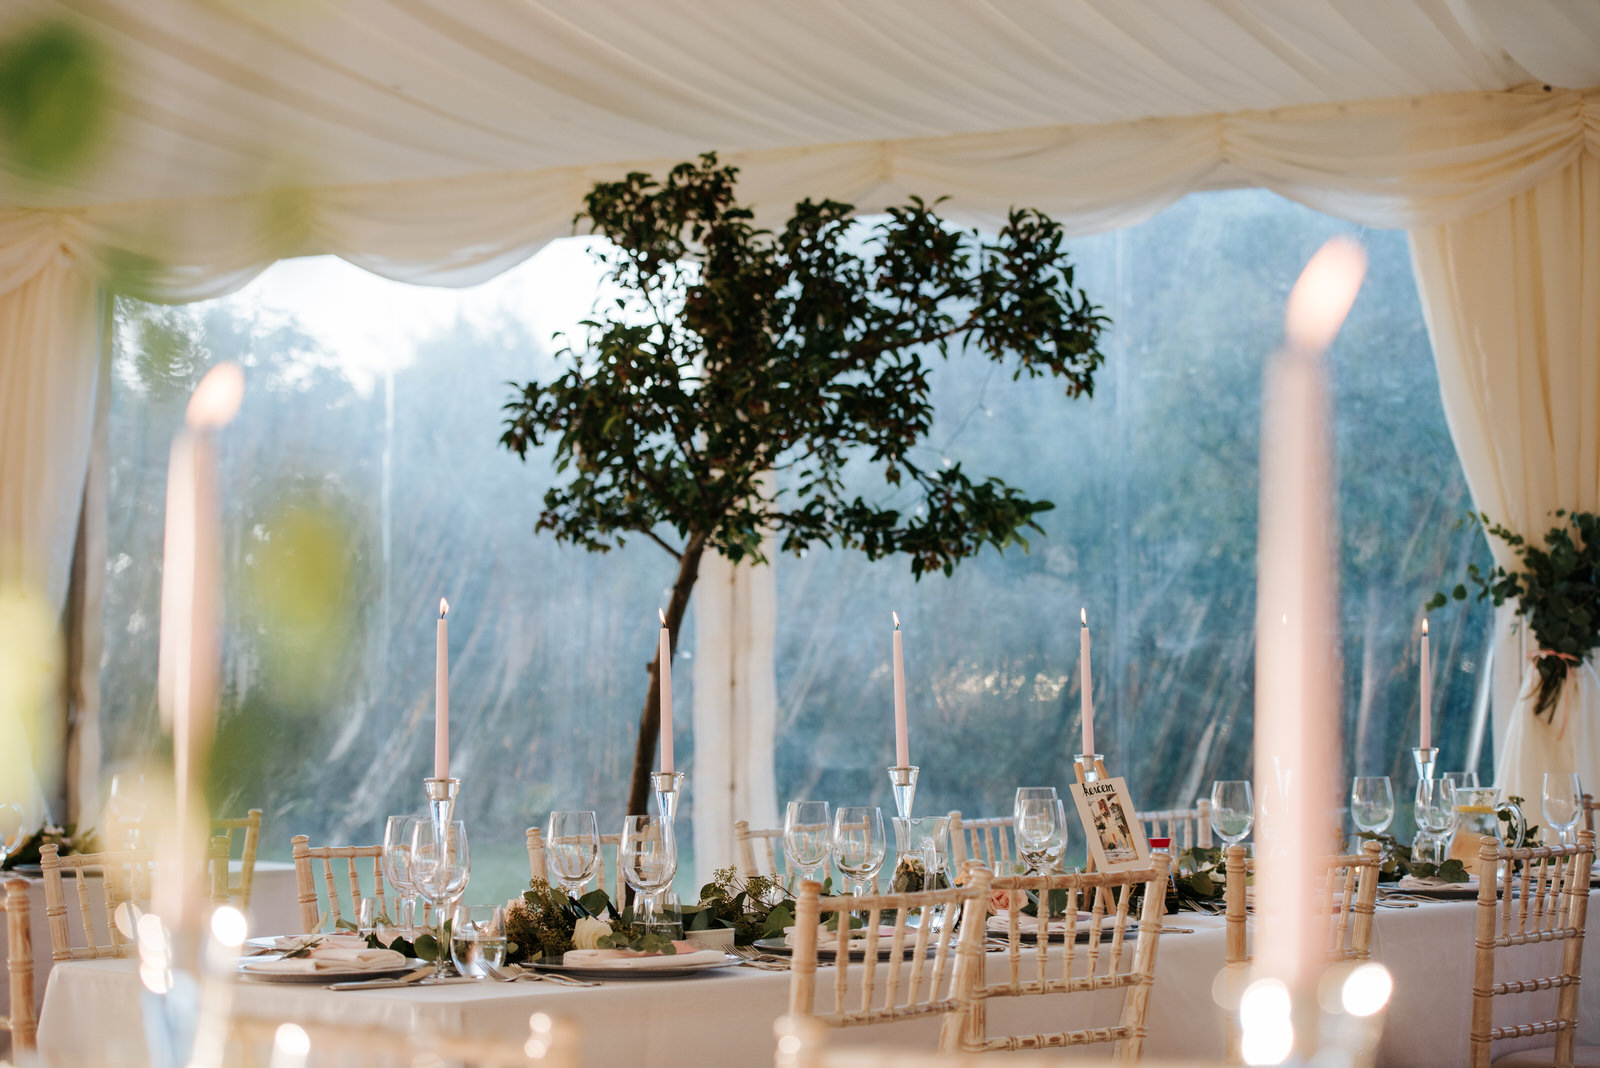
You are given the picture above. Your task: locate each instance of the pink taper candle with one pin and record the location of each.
(1086, 678)
(441, 695)
(1427, 691)
(902, 740)
(664, 657)
(1296, 725)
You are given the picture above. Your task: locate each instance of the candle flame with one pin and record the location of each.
(1083, 615)
(663, 616)
(896, 616)
(1322, 296)
(1424, 628)
(216, 399)
(444, 608)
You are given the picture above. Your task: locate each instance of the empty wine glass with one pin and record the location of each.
(572, 849)
(1041, 831)
(477, 939)
(367, 917)
(1462, 780)
(1372, 803)
(649, 859)
(397, 834)
(1563, 802)
(806, 828)
(1233, 810)
(858, 845)
(440, 870)
(126, 802)
(1435, 812)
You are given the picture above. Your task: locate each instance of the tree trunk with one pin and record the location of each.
(644, 754)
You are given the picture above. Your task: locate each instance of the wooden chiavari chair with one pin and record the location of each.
(617, 888)
(1589, 807)
(803, 1043)
(988, 840)
(248, 828)
(1104, 962)
(260, 1041)
(770, 840)
(1547, 901)
(21, 1023)
(1189, 828)
(924, 963)
(1349, 894)
(338, 870)
(124, 880)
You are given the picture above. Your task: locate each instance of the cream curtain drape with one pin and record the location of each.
(1512, 299)
(51, 326)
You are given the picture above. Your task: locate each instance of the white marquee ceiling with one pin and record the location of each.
(214, 98)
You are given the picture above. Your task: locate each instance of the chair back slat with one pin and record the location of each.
(1104, 963)
(21, 1022)
(986, 840)
(917, 976)
(1543, 896)
(1189, 828)
(341, 879)
(769, 840)
(246, 830)
(124, 878)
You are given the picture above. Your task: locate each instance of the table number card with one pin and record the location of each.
(1116, 840)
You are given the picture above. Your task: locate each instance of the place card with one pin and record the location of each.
(1116, 840)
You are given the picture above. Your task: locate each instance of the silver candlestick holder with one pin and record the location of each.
(1425, 759)
(903, 781)
(667, 785)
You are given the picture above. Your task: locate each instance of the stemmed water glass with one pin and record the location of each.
(1372, 803)
(440, 871)
(806, 829)
(125, 807)
(572, 849)
(1562, 802)
(1435, 812)
(1461, 780)
(397, 834)
(1041, 831)
(858, 845)
(649, 859)
(1233, 810)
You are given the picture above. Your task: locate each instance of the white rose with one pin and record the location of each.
(588, 931)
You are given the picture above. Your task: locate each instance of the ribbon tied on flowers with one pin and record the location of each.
(1561, 708)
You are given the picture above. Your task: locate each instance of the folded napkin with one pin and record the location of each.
(631, 959)
(290, 943)
(1000, 923)
(332, 959)
(1411, 882)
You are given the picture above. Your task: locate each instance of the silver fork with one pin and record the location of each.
(534, 977)
(757, 959)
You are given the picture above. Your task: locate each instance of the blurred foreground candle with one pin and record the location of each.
(1427, 691)
(190, 647)
(1296, 728)
(902, 738)
(441, 694)
(1086, 681)
(664, 660)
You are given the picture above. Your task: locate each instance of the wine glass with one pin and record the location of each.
(1435, 812)
(1371, 803)
(125, 808)
(1041, 831)
(397, 834)
(477, 939)
(440, 871)
(1461, 780)
(1562, 802)
(367, 917)
(649, 859)
(572, 849)
(805, 837)
(1233, 810)
(10, 829)
(858, 845)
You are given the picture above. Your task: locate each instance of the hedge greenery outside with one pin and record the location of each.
(736, 352)
(1557, 591)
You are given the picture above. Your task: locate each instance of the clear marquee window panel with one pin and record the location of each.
(365, 481)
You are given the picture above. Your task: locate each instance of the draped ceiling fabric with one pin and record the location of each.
(442, 141)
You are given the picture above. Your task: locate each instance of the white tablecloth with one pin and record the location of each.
(274, 906)
(726, 1017)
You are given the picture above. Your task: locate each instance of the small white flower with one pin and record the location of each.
(588, 931)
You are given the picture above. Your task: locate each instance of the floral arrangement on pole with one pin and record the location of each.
(734, 353)
(1557, 591)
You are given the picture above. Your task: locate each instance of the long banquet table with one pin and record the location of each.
(726, 1017)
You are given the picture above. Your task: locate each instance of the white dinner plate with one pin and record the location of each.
(858, 948)
(597, 971)
(323, 978)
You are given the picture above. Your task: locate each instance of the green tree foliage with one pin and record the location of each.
(735, 352)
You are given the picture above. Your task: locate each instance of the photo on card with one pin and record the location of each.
(1116, 840)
